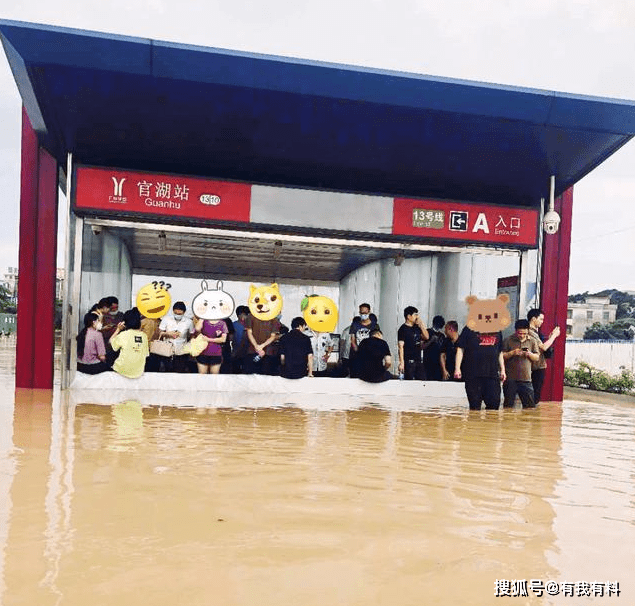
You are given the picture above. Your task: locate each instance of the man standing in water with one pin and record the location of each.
(448, 350)
(519, 352)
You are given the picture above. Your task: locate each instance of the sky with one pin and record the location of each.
(576, 46)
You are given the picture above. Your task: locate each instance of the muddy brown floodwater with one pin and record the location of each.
(127, 505)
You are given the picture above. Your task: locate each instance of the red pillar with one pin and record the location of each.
(35, 345)
(554, 291)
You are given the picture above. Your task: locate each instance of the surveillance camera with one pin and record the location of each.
(551, 222)
(96, 229)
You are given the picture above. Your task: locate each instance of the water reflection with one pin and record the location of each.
(123, 503)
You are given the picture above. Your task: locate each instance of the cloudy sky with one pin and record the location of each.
(576, 46)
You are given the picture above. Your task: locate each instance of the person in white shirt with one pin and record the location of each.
(322, 344)
(176, 328)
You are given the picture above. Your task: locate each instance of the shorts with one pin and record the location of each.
(209, 360)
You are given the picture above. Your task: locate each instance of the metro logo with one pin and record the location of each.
(118, 186)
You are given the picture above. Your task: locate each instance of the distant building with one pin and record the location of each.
(10, 281)
(581, 316)
(60, 276)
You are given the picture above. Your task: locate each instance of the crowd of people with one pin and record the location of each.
(131, 344)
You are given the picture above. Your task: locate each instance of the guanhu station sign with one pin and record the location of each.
(157, 194)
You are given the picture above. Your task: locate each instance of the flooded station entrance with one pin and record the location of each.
(133, 228)
(422, 166)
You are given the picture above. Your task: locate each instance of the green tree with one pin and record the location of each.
(579, 298)
(620, 330)
(6, 304)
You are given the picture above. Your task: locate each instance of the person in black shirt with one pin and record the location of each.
(296, 352)
(228, 345)
(360, 330)
(432, 350)
(374, 358)
(448, 350)
(409, 338)
(479, 360)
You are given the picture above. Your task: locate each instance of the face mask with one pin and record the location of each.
(98, 326)
(178, 318)
(364, 316)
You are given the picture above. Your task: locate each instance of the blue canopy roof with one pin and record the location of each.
(142, 104)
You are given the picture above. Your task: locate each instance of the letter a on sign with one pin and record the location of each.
(481, 224)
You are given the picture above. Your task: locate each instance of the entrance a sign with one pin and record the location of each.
(466, 222)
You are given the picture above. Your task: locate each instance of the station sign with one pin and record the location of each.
(175, 196)
(466, 222)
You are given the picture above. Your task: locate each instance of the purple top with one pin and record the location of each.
(213, 328)
(93, 347)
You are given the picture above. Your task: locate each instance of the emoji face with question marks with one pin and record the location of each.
(319, 312)
(213, 304)
(153, 300)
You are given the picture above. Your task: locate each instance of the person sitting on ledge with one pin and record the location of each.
(132, 344)
(374, 358)
(91, 349)
(296, 351)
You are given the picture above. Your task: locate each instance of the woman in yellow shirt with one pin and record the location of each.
(132, 344)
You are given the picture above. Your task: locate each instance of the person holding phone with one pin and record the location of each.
(519, 352)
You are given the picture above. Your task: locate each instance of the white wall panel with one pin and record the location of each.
(347, 300)
(321, 209)
(112, 277)
(416, 281)
(608, 356)
(391, 317)
(461, 274)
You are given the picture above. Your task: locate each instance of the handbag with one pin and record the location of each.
(162, 348)
(195, 347)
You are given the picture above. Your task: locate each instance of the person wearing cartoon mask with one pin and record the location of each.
(209, 306)
(176, 328)
(321, 315)
(263, 329)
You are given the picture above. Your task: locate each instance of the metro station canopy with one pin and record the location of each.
(142, 104)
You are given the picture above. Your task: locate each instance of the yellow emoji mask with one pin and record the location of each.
(265, 302)
(319, 312)
(153, 300)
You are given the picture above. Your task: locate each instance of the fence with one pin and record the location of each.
(7, 324)
(605, 355)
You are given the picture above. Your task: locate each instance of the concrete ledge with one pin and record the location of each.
(192, 390)
(590, 395)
